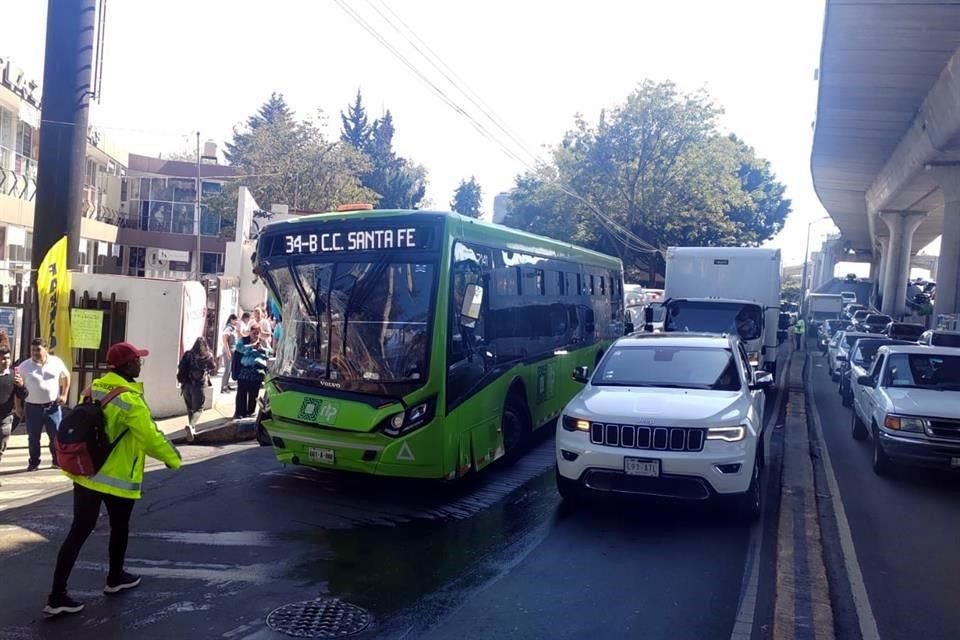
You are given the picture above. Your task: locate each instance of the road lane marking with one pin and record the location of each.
(217, 538)
(252, 573)
(747, 607)
(861, 601)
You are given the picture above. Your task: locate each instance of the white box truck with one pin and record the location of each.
(726, 290)
(823, 306)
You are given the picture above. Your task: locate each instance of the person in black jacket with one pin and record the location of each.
(12, 395)
(193, 374)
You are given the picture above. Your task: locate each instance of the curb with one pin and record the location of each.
(802, 608)
(222, 431)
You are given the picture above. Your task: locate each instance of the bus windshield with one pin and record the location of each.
(358, 325)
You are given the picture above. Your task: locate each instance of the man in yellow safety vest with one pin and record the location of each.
(117, 483)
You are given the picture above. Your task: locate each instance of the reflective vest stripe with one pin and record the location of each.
(126, 485)
(100, 395)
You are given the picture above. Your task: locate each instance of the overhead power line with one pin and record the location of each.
(615, 230)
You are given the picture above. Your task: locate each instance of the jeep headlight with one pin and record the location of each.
(727, 434)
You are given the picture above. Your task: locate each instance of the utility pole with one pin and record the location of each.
(67, 87)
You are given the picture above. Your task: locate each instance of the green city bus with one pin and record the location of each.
(425, 344)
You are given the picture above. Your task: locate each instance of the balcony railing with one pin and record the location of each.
(17, 185)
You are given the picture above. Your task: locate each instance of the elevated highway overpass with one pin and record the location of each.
(886, 149)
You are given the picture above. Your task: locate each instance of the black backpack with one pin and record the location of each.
(82, 444)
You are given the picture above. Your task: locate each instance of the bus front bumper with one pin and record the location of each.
(369, 453)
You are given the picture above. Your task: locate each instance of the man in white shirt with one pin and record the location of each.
(47, 381)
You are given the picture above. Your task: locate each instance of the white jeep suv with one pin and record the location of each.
(675, 415)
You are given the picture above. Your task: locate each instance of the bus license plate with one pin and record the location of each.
(641, 467)
(323, 456)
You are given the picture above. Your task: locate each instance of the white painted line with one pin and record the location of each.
(747, 607)
(218, 538)
(868, 624)
(255, 573)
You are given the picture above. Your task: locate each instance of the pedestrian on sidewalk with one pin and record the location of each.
(245, 323)
(229, 340)
(118, 482)
(254, 356)
(48, 382)
(799, 333)
(12, 394)
(193, 374)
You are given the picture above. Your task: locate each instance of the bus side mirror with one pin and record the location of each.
(472, 302)
(582, 374)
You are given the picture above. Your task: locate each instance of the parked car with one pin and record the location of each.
(939, 338)
(874, 323)
(839, 348)
(828, 329)
(908, 331)
(909, 406)
(849, 297)
(676, 415)
(852, 308)
(857, 316)
(859, 362)
(659, 313)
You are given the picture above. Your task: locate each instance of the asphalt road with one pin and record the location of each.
(905, 529)
(233, 535)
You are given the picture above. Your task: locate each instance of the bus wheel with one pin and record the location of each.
(513, 426)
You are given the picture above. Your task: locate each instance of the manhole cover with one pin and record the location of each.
(320, 618)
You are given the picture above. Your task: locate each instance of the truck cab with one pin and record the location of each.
(742, 318)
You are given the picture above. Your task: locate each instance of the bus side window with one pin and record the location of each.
(469, 349)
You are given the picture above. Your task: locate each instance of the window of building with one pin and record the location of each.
(211, 263)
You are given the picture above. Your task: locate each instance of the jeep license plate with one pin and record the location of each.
(323, 456)
(641, 467)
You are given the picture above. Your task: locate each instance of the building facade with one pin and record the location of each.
(19, 156)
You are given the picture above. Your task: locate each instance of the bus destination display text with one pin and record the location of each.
(337, 241)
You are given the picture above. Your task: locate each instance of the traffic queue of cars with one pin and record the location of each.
(903, 390)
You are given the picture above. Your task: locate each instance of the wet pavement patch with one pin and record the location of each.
(320, 618)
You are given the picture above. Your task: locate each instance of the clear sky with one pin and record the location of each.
(178, 66)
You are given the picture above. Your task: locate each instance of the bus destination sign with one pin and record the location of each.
(347, 241)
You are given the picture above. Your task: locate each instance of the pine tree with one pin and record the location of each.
(467, 198)
(274, 112)
(356, 129)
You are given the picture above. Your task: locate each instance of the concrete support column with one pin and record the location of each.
(884, 251)
(901, 225)
(948, 266)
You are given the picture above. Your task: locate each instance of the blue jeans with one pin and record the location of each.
(40, 418)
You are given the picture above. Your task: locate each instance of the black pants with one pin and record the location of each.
(247, 392)
(86, 510)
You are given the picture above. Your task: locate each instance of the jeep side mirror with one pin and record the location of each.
(582, 374)
(762, 380)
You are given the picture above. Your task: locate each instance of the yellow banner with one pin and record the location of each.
(53, 291)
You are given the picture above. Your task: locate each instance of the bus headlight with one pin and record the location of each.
(413, 418)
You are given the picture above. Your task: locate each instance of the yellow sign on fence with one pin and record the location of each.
(86, 327)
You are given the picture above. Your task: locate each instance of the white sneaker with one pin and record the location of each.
(191, 433)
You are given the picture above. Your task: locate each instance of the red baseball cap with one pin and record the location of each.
(121, 353)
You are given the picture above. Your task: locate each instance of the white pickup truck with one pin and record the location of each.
(909, 405)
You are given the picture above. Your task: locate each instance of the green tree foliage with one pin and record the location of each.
(658, 167)
(397, 182)
(467, 198)
(356, 129)
(286, 161)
